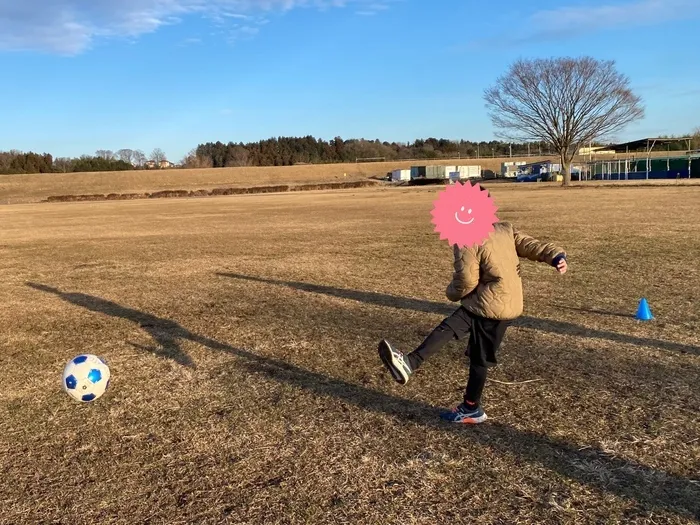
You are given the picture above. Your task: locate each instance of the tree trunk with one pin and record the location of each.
(565, 169)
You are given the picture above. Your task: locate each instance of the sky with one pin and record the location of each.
(84, 75)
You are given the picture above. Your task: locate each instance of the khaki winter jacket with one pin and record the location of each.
(487, 280)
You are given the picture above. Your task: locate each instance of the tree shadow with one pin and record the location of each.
(165, 333)
(421, 305)
(649, 488)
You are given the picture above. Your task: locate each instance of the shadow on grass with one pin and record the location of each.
(596, 311)
(651, 489)
(420, 305)
(165, 333)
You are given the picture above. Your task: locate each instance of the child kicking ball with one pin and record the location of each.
(487, 283)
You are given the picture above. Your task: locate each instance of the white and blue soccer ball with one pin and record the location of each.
(86, 377)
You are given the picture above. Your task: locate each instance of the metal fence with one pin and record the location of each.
(683, 166)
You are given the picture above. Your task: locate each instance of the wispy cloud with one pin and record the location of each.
(372, 9)
(583, 20)
(662, 87)
(637, 13)
(70, 27)
(191, 41)
(242, 32)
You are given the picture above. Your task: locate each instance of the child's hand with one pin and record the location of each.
(562, 266)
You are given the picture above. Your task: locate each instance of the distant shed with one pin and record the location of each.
(465, 172)
(401, 175)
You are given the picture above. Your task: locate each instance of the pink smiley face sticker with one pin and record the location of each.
(471, 219)
(464, 214)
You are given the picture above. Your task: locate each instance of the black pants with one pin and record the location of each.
(485, 337)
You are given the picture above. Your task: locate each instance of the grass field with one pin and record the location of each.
(34, 188)
(241, 334)
(16, 189)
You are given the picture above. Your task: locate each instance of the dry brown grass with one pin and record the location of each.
(16, 189)
(241, 332)
(35, 188)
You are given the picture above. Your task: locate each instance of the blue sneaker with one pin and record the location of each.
(395, 362)
(465, 415)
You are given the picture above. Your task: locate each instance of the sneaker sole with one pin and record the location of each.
(473, 420)
(466, 420)
(387, 358)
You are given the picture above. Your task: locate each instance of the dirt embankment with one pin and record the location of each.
(169, 194)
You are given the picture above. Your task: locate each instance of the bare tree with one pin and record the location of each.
(695, 139)
(126, 155)
(192, 160)
(105, 154)
(139, 158)
(63, 164)
(6, 159)
(189, 159)
(157, 155)
(565, 102)
(236, 157)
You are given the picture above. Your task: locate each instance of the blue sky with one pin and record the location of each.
(83, 75)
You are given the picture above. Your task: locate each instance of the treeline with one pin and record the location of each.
(287, 151)
(282, 151)
(18, 162)
(682, 144)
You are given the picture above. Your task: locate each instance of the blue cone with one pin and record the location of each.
(644, 312)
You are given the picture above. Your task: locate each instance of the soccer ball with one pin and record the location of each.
(86, 378)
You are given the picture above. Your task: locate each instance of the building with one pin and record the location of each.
(510, 169)
(598, 150)
(151, 164)
(438, 172)
(647, 145)
(640, 165)
(538, 168)
(401, 175)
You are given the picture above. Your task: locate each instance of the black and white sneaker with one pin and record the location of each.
(395, 362)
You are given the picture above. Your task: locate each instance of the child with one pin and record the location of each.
(487, 283)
